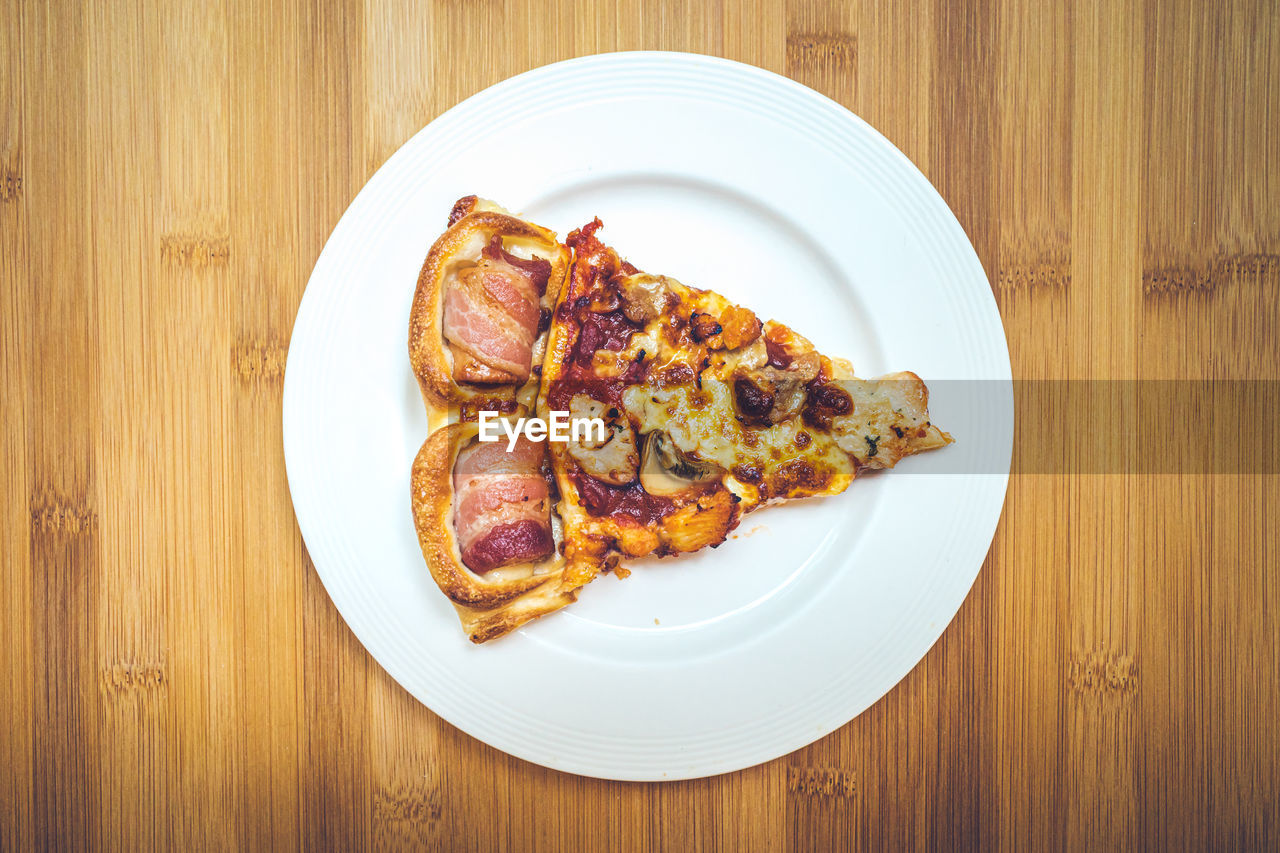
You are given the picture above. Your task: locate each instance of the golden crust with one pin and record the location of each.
(705, 522)
(597, 543)
(488, 605)
(473, 223)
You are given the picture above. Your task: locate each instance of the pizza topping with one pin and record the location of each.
(887, 420)
(770, 379)
(593, 257)
(797, 478)
(742, 361)
(517, 542)
(770, 395)
(668, 472)
(778, 356)
(788, 399)
(826, 401)
(579, 379)
(537, 270)
(609, 330)
(630, 501)
(703, 326)
(491, 316)
(800, 369)
(502, 511)
(754, 402)
(486, 347)
(613, 460)
(675, 373)
(645, 297)
(734, 328)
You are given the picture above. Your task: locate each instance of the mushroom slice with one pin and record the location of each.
(665, 471)
(613, 460)
(645, 297)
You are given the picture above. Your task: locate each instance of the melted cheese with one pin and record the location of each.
(703, 423)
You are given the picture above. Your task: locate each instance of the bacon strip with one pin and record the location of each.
(485, 333)
(491, 457)
(502, 508)
(491, 313)
(538, 270)
(517, 542)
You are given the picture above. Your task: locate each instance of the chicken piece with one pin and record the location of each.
(615, 459)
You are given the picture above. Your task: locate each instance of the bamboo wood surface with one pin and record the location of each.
(172, 673)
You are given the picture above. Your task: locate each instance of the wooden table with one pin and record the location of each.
(173, 674)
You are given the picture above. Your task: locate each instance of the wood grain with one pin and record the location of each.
(173, 675)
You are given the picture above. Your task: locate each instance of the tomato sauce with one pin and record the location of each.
(609, 330)
(601, 499)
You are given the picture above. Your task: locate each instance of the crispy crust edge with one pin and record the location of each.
(487, 608)
(432, 364)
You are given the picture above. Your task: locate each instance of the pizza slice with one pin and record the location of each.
(487, 529)
(711, 413)
(477, 335)
(477, 328)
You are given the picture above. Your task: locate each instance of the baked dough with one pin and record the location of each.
(501, 600)
(473, 223)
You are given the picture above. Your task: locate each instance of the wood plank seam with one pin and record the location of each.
(195, 251)
(1183, 279)
(829, 782)
(259, 361)
(10, 183)
(822, 51)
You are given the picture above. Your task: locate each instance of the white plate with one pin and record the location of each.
(729, 178)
